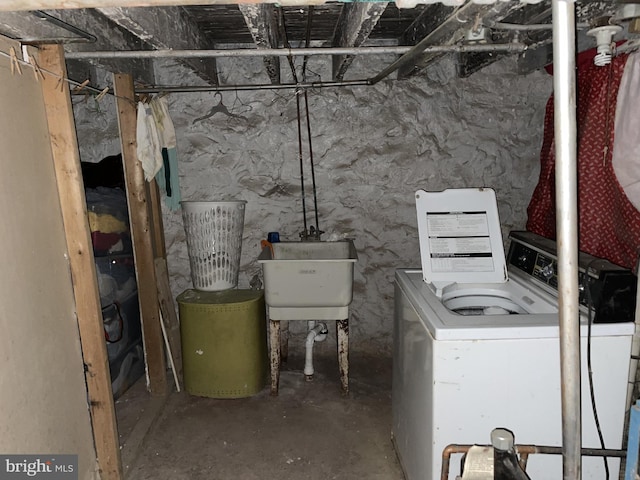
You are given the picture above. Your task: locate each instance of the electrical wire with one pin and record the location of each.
(587, 290)
(592, 394)
(304, 209)
(307, 42)
(306, 106)
(283, 31)
(313, 171)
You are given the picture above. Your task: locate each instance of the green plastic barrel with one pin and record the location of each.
(224, 342)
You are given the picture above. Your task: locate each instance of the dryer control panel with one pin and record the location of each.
(608, 289)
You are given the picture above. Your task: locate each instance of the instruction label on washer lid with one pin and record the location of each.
(459, 242)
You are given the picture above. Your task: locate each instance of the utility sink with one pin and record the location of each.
(303, 279)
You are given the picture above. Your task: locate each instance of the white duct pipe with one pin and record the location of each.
(564, 92)
(317, 333)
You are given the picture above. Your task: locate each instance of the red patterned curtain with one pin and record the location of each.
(609, 225)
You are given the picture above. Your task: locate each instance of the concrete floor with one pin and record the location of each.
(310, 431)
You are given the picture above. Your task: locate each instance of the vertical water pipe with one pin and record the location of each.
(564, 91)
(316, 333)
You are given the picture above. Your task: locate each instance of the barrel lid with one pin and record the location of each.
(232, 295)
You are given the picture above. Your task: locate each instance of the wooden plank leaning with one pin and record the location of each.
(139, 218)
(66, 158)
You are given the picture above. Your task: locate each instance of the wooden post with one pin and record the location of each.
(139, 218)
(64, 146)
(159, 246)
(169, 318)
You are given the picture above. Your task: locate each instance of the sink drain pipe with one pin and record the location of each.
(317, 333)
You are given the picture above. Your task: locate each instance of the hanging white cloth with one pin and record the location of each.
(626, 147)
(149, 147)
(166, 130)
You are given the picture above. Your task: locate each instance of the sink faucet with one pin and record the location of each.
(312, 235)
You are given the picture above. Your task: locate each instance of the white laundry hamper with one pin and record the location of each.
(214, 242)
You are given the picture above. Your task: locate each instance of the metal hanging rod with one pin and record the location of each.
(267, 86)
(501, 47)
(283, 52)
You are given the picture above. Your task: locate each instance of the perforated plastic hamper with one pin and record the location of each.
(214, 242)
(224, 342)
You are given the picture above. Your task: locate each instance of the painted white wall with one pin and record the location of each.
(373, 148)
(43, 396)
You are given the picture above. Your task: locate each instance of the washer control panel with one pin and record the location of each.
(608, 289)
(539, 265)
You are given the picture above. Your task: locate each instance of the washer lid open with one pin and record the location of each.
(460, 237)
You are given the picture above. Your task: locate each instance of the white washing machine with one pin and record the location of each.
(476, 346)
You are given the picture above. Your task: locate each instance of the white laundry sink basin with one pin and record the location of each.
(308, 274)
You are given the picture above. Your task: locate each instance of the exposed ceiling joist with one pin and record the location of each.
(514, 25)
(354, 26)
(542, 54)
(107, 37)
(38, 27)
(470, 63)
(534, 59)
(128, 39)
(426, 23)
(262, 23)
(17, 5)
(165, 28)
(22, 5)
(454, 28)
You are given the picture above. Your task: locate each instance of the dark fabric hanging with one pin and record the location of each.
(609, 225)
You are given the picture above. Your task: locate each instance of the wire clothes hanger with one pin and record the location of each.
(219, 108)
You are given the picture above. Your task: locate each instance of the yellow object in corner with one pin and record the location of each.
(105, 223)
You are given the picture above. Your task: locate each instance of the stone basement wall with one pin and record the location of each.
(373, 148)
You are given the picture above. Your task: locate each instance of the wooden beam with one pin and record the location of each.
(139, 218)
(169, 320)
(424, 25)
(534, 59)
(9, 5)
(354, 26)
(66, 159)
(541, 54)
(470, 63)
(166, 28)
(109, 37)
(262, 23)
(157, 225)
(27, 27)
(452, 29)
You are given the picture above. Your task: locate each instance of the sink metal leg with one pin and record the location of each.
(274, 341)
(284, 340)
(342, 331)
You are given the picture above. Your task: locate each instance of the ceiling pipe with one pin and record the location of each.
(510, 47)
(237, 52)
(284, 52)
(564, 98)
(526, 27)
